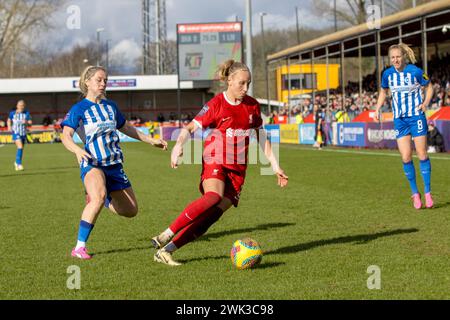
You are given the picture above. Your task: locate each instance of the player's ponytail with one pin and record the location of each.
(407, 52)
(86, 75)
(229, 67)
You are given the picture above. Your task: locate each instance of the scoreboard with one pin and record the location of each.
(203, 46)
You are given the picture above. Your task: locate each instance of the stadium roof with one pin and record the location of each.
(115, 83)
(385, 23)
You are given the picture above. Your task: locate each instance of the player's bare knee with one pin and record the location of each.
(422, 156)
(406, 158)
(98, 200)
(96, 204)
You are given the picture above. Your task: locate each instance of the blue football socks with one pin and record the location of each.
(410, 173)
(19, 154)
(84, 231)
(425, 170)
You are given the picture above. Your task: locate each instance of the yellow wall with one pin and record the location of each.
(321, 74)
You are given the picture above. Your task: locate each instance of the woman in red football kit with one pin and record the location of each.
(232, 116)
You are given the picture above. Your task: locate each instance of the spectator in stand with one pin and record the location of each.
(299, 118)
(318, 128)
(151, 129)
(161, 118)
(47, 120)
(353, 112)
(271, 118)
(447, 101)
(275, 116)
(328, 130)
(307, 105)
(435, 140)
(341, 115)
(184, 118)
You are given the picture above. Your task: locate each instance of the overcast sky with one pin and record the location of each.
(121, 19)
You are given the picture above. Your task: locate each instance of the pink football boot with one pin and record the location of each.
(417, 201)
(428, 200)
(81, 253)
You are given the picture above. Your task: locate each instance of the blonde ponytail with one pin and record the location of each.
(229, 67)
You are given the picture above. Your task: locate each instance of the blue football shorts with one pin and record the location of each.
(16, 136)
(414, 126)
(116, 179)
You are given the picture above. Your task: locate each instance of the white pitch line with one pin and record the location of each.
(361, 152)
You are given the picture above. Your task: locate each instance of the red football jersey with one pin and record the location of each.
(231, 127)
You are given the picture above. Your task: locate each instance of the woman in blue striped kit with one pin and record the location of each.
(18, 121)
(405, 81)
(96, 121)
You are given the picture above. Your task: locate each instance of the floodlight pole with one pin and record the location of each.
(297, 25)
(178, 81)
(335, 17)
(99, 50)
(107, 53)
(262, 14)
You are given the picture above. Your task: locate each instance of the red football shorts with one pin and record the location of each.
(234, 180)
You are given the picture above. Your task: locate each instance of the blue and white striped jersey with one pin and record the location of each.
(406, 89)
(19, 122)
(96, 126)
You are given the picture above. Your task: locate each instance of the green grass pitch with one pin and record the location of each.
(343, 211)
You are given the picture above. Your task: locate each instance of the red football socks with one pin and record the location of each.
(198, 227)
(194, 210)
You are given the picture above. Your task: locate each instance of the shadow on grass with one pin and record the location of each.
(266, 226)
(56, 168)
(203, 258)
(262, 265)
(4, 207)
(359, 239)
(123, 250)
(266, 265)
(441, 205)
